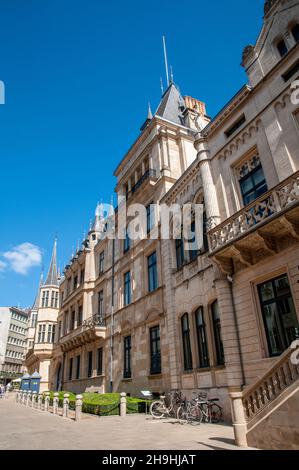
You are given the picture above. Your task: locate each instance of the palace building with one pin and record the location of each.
(147, 314)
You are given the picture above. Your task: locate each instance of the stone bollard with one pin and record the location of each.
(39, 401)
(65, 405)
(47, 401)
(18, 396)
(55, 403)
(123, 404)
(78, 409)
(24, 397)
(34, 398)
(28, 401)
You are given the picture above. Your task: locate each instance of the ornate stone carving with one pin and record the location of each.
(246, 167)
(246, 52)
(268, 5)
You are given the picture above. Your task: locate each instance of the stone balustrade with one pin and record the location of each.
(249, 403)
(279, 199)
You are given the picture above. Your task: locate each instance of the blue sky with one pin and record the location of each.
(78, 77)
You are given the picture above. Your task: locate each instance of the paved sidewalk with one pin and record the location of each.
(27, 428)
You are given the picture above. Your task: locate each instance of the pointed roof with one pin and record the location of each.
(52, 277)
(172, 105)
(37, 298)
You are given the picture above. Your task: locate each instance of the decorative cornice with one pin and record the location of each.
(268, 5)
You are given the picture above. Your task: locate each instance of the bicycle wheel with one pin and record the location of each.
(157, 409)
(182, 414)
(194, 415)
(215, 413)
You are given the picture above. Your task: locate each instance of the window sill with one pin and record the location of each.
(155, 376)
(126, 379)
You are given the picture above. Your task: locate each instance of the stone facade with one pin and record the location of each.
(205, 324)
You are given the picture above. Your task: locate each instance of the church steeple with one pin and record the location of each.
(52, 277)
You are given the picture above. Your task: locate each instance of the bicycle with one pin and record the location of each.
(199, 410)
(159, 408)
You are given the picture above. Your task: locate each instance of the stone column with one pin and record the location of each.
(55, 403)
(229, 331)
(39, 401)
(78, 409)
(239, 421)
(210, 195)
(123, 404)
(47, 400)
(28, 400)
(65, 405)
(34, 397)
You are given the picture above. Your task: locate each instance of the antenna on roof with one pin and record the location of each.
(165, 59)
(161, 84)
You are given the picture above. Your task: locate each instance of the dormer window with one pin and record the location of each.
(282, 48)
(295, 32)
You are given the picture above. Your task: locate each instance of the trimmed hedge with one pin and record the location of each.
(105, 404)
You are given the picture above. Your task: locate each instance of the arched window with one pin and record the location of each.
(295, 32)
(186, 342)
(179, 251)
(203, 353)
(217, 333)
(282, 48)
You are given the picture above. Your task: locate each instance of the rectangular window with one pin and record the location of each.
(235, 127)
(51, 333)
(54, 299)
(293, 70)
(127, 288)
(65, 323)
(89, 364)
(78, 363)
(73, 316)
(186, 342)
(75, 282)
(127, 357)
(217, 334)
(150, 219)
(251, 179)
(155, 350)
(179, 251)
(82, 273)
(101, 303)
(203, 354)
(71, 369)
(279, 314)
(101, 262)
(127, 242)
(152, 272)
(100, 362)
(80, 315)
(33, 320)
(41, 333)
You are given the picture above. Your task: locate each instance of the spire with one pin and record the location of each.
(36, 301)
(52, 277)
(148, 119)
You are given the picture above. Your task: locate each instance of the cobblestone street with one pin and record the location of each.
(27, 428)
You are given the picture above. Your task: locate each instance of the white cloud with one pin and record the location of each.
(23, 257)
(2, 266)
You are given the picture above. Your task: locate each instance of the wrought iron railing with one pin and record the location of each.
(150, 173)
(278, 199)
(95, 320)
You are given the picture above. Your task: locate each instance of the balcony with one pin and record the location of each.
(264, 227)
(149, 174)
(91, 329)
